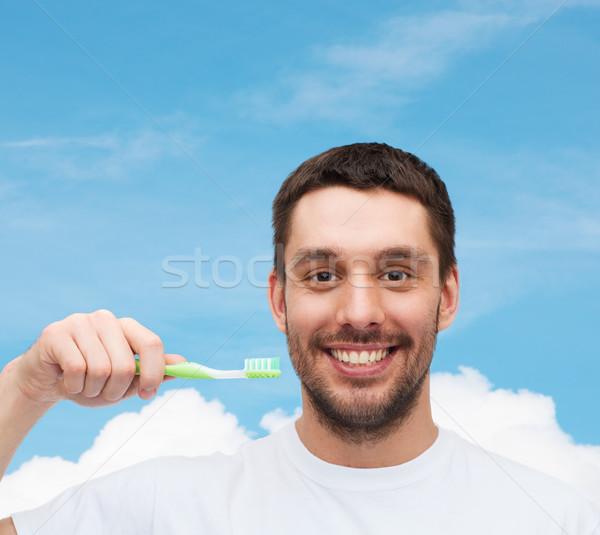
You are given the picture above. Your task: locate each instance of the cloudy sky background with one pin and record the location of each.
(137, 135)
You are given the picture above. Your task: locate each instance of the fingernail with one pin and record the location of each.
(147, 393)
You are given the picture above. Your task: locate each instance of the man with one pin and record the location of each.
(365, 277)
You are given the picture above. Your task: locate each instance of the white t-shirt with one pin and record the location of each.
(274, 485)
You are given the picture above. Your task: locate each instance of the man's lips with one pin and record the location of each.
(366, 369)
(382, 358)
(353, 355)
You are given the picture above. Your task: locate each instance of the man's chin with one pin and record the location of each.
(360, 414)
(361, 406)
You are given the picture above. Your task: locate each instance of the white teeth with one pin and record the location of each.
(363, 357)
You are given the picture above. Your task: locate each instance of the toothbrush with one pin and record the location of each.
(253, 369)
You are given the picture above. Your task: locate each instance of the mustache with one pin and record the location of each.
(349, 335)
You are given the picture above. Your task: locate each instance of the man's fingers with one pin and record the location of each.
(98, 364)
(90, 358)
(152, 358)
(73, 365)
(173, 358)
(98, 367)
(132, 389)
(122, 359)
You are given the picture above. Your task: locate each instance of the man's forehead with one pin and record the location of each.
(350, 222)
(340, 203)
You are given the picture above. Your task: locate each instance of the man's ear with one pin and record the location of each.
(449, 300)
(276, 295)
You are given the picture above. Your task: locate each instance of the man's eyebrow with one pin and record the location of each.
(408, 252)
(399, 252)
(311, 254)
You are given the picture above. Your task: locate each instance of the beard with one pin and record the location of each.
(359, 414)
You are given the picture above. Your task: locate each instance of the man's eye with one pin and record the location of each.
(323, 276)
(395, 275)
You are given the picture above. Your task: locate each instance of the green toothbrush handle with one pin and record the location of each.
(185, 370)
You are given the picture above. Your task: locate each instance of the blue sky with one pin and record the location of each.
(136, 132)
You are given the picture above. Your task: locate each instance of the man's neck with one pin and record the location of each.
(416, 434)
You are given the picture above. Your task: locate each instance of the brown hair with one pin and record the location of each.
(368, 166)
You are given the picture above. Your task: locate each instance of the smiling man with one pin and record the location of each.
(361, 304)
(364, 279)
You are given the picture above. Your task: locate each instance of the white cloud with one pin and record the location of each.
(520, 425)
(278, 418)
(179, 422)
(347, 81)
(413, 49)
(105, 156)
(103, 141)
(523, 8)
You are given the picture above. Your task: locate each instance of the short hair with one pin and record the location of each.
(365, 167)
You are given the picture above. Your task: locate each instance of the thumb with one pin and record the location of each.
(172, 358)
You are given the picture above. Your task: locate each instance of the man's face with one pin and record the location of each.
(361, 306)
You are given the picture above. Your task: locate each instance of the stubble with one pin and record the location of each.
(357, 414)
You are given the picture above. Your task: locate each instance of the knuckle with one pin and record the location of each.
(126, 368)
(153, 342)
(155, 378)
(152, 377)
(78, 322)
(100, 371)
(72, 388)
(77, 317)
(74, 368)
(52, 330)
(103, 315)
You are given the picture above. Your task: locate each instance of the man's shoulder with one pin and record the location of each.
(516, 483)
(479, 461)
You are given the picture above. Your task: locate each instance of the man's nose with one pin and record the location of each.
(359, 305)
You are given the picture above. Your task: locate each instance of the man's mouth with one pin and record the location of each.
(364, 357)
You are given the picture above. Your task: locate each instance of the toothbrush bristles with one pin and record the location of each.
(261, 364)
(262, 367)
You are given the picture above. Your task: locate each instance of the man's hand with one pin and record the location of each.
(7, 527)
(89, 359)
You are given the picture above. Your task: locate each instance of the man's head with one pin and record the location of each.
(369, 167)
(361, 301)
